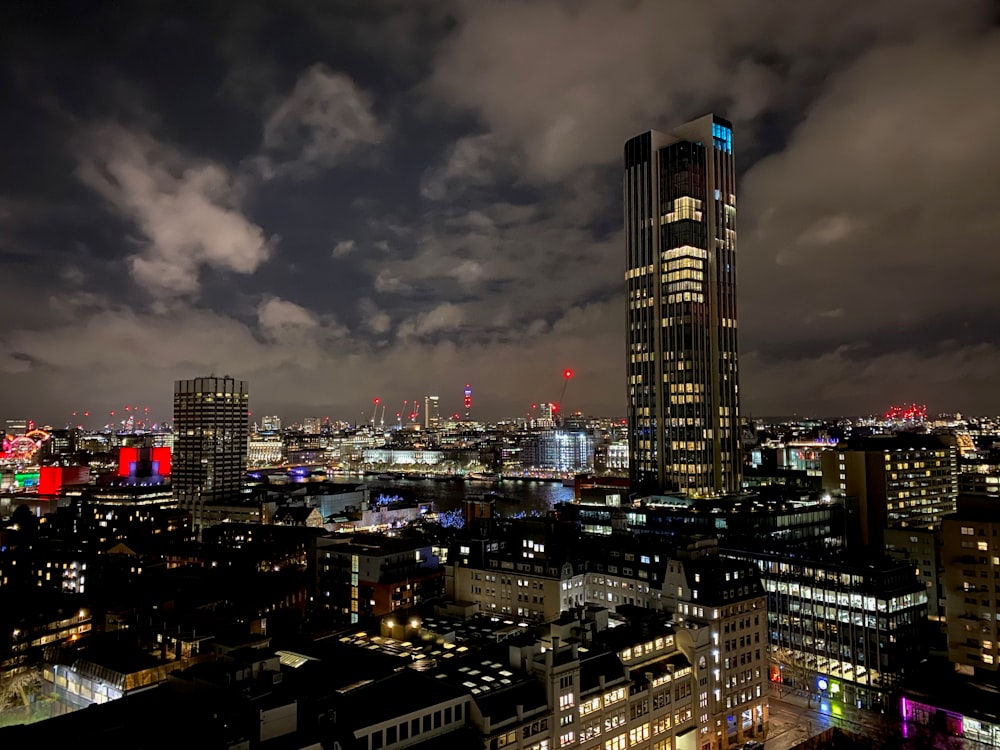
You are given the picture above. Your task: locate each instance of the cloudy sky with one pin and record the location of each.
(344, 200)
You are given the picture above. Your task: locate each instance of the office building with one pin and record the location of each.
(683, 377)
(432, 412)
(211, 421)
(901, 481)
(311, 425)
(844, 627)
(270, 424)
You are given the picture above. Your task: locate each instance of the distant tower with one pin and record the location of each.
(432, 415)
(680, 273)
(211, 418)
(467, 401)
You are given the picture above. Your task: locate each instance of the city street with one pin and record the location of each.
(792, 720)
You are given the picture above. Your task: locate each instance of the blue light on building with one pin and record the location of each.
(723, 137)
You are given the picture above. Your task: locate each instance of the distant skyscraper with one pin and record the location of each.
(432, 414)
(467, 401)
(210, 447)
(311, 425)
(270, 424)
(683, 378)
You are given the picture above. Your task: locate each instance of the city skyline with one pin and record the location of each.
(328, 203)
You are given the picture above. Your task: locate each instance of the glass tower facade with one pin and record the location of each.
(683, 376)
(211, 419)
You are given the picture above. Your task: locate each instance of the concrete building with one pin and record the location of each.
(683, 375)
(211, 425)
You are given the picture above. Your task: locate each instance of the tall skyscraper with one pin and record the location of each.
(683, 378)
(432, 412)
(211, 421)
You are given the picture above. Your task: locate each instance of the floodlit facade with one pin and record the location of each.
(683, 376)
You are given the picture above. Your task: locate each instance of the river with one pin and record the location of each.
(515, 495)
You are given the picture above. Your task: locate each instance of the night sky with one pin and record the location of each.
(344, 200)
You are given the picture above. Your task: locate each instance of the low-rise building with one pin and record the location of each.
(370, 575)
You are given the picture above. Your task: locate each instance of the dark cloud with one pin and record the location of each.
(338, 200)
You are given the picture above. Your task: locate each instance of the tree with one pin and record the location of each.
(17, 689)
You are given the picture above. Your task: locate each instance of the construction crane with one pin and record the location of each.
(567, 375)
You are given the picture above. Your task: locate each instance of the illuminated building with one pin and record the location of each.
(210, 447)
(467, 401)
(683, 378)
(432, 412)
(718, 620)
(720, 610)
(559, 450)
(611, 456)
(311, 425)
(52, 479)
(546, 416)
(902, 481)
(265, 451)
(845, 628)
(144, 465)
(270, 424)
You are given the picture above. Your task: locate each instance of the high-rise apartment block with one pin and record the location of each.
(683, 376)
(211, 421)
